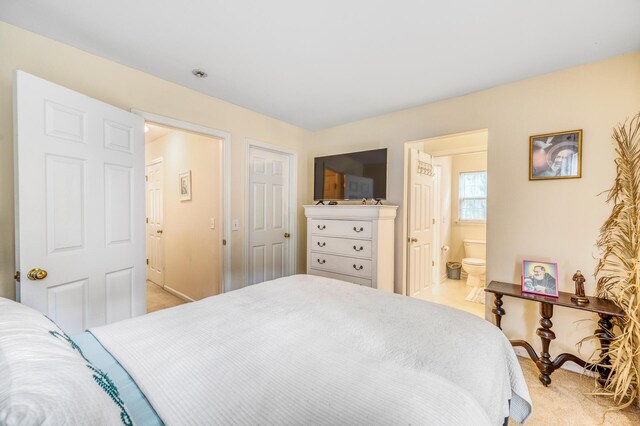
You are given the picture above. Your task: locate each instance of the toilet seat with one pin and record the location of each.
(472, 261)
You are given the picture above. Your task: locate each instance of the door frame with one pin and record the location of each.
(436, 244)
(293, 201)
(146, 165)
(225, 196)
(453, 149)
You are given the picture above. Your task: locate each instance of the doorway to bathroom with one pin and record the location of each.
(446, 199)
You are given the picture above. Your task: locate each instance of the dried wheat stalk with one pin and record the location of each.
(617, 271)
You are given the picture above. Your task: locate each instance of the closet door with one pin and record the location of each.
(269, 233)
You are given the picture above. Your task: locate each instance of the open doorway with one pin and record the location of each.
(446, 199)
(184, 215)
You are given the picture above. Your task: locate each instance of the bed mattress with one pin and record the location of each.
(312, 350)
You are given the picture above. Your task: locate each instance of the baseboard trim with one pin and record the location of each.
(569, 366)
(178, 294)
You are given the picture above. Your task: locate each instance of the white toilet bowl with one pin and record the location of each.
(475, 266)
(476, 271)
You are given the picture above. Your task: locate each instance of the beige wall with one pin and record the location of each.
(593, 97)
(460, 231)
(128, 88)
(191, 248)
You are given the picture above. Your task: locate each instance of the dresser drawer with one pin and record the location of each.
(341, 228)
(346, 246)
(341, 264)
(354, 280)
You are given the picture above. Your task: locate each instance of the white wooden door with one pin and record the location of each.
(268, 215)
(80, 201)
(155, 231)
(420, 224)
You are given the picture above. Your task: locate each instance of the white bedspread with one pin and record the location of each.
(311, 350)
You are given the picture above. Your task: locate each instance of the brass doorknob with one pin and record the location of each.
(37, 274)
(412, 240)
(287, 235)
(159, 231)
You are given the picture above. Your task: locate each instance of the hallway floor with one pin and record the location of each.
(158, 299)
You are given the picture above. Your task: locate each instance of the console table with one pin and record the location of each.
(606, 309)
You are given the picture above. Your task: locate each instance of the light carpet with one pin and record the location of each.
(567, 401)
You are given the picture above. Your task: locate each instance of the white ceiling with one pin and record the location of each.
(324, 63)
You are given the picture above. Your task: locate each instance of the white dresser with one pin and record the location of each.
(352, 243)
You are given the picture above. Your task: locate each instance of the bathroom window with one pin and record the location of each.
(472, 205)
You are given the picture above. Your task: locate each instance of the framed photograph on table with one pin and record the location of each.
(540, 278)
(555, 155)
(185, 186)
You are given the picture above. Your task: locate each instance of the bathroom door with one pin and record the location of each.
(420, 225)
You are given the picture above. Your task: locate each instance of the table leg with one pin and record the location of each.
(498, 311)
(605, 335)
(545, 365)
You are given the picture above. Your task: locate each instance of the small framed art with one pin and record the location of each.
(185, 186)
(555, 155)
(540, 277)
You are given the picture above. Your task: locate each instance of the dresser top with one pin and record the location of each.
(351, 211)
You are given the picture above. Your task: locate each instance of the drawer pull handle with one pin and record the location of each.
(358, 249)
(323, 227)
(358, 230)
(321, 244)
(322, 262)
(356, 268)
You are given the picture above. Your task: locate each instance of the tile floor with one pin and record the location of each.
(453, 293)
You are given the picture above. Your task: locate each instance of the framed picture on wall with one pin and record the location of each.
(555, 155)
(185, 186)
(540, 277)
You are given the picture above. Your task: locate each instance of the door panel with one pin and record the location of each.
(66, 203)
(119, 285)
(420, 227)
(118, 190)
(80, 199)
(269, 215)
(67, 303)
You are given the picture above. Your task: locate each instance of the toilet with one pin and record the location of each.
(474, 264)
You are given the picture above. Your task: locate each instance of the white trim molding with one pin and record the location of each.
(225, 235)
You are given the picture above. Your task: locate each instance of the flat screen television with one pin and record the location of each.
(351, 176)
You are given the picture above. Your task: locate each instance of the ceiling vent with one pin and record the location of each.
(199, 73)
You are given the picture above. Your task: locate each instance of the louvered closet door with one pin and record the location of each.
(268, 215)
(80, 175)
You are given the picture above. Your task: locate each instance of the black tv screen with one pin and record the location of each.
(352, 176)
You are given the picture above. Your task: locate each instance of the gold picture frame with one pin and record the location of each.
(556, 155)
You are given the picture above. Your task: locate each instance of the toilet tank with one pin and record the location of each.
(475, 248)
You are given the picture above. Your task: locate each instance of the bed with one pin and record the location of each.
(297, 350)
